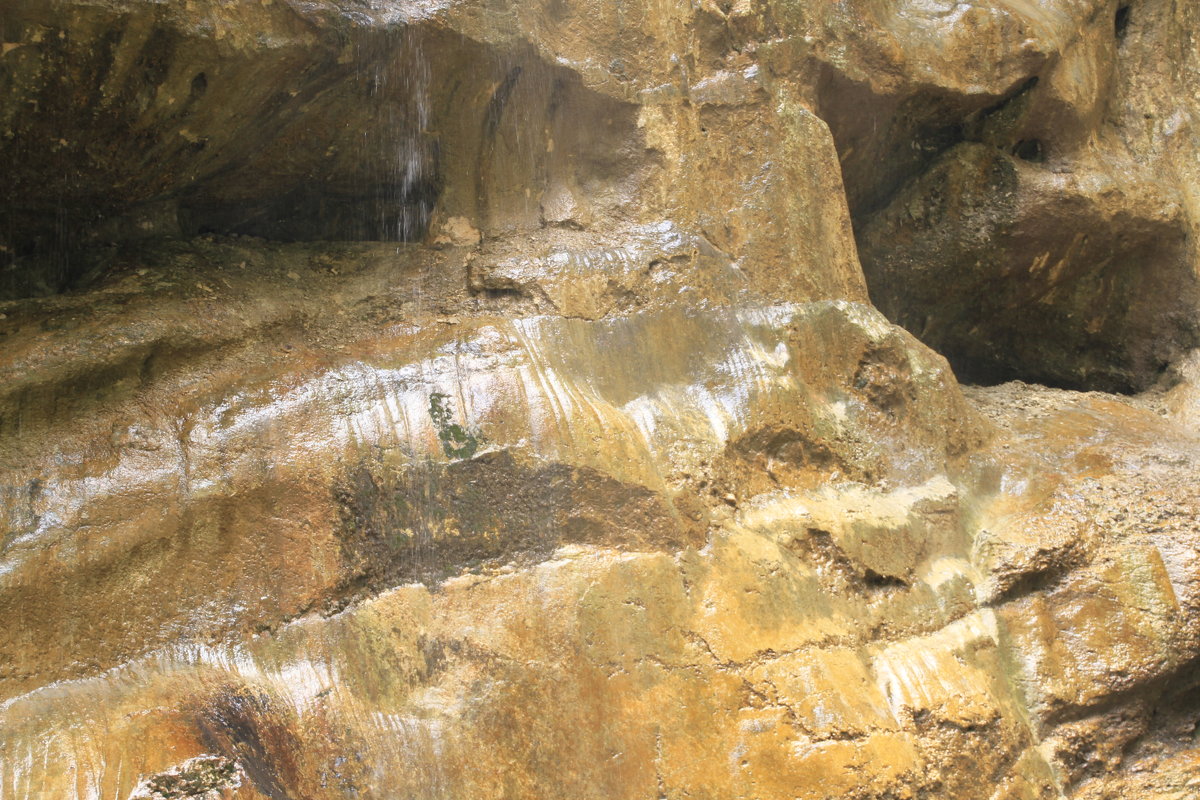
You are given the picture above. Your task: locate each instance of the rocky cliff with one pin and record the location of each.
(561, 399)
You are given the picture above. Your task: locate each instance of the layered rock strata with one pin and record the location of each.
(456, 400)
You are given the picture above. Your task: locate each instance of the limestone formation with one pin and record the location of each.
(467, 400)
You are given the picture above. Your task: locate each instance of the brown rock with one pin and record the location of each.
(482, 400)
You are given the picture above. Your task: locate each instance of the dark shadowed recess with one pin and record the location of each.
(358, 136)
(964, 242)
(333, 141)
(351, 136)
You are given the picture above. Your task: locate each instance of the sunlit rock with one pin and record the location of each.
(460, 400)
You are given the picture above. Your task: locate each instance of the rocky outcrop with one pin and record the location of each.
(443, 442)
(469, 400)
(1022, 190)
(314, 121)
(1078, 278)
(206, 777)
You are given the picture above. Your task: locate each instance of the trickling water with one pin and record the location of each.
(400, 152)
(415, 169)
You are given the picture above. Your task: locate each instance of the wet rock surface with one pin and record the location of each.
(1022, 202)
(205, 777)
(469, 400)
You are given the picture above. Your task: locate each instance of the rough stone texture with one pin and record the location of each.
(462, 400)
(202, 777)
(1041, 223)
(1098, 267)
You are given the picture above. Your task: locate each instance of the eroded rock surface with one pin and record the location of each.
(1047, 196)
(202, 777)
(463, 400)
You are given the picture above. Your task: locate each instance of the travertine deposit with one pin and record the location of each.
(561, 399)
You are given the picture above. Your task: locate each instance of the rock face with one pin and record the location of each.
(1041, 223)
(463, 400)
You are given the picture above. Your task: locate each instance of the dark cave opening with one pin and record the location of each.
(1121, 21)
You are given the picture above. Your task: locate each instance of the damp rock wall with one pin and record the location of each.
(578, 398)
